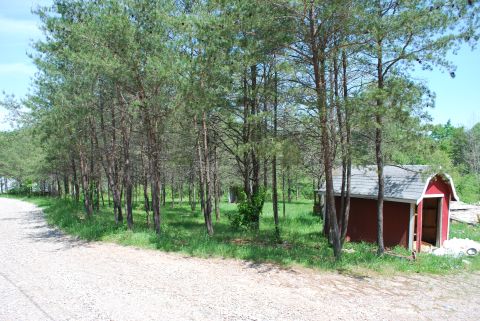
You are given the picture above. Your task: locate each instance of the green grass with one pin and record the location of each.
(303, 243)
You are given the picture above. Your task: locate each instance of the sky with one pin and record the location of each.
(457, 99)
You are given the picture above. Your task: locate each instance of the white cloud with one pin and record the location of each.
(16, 69)
(9, 26)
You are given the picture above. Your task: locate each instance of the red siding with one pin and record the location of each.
(362, 225)
(419, 225)
(445, 219)
(438, 186)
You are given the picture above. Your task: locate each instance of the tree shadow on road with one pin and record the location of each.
(37, 229)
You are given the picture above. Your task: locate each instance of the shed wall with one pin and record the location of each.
(362, 224)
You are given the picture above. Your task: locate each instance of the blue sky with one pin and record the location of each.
(458, 99)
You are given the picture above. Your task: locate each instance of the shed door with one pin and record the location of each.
(431, 215)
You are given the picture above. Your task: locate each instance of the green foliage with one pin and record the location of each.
(249, 211)
(468, 188)
(236, 220)
(455, 150)
(405, 102)
(21, 157)
(23, 189)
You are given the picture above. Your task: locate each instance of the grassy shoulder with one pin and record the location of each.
(303, 244)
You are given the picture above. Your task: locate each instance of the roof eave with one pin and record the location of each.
(374, 197)
(454, 195)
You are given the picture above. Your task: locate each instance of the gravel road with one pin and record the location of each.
(45, 275)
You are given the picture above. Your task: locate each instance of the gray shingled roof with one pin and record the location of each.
(406, 182)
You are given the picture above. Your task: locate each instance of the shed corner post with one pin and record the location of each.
(441, 213)
(411, 226)
(447, 237)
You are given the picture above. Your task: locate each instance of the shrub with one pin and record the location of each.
(249, 211)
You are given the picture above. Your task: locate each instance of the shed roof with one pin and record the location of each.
(407, 183)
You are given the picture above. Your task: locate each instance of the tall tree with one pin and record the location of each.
(402, 33)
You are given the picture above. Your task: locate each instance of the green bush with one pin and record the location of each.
(249, 211)
(235, 219)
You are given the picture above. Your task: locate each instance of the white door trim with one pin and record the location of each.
(433, 195)
(439, 221)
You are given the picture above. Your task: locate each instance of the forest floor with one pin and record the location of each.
(46, 275)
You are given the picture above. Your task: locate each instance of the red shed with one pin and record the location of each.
(416, 207)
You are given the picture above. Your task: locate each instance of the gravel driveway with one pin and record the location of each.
(45, 275)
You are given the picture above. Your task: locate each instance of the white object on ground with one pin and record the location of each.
(457, 247)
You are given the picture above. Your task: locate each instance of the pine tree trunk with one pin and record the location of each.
(101, 193)
(173, 192)
(289, 185)
(146, 202)
(246, 140)
(283, 192)
(193, 205)
(85, 184)
(201, 176)
(274, 161)
(319, 68)
(216, 183)
(381, 185)
(256, 128)
(128, 198)
(76, 188)
(181, 192)
(59, 186)
(65, 185)
(191, 190)
(110, 163)
(154, 162)
(346, 210)
(265, 126)
(297, 189)
(155, 191)
(164, 191)
(343, 150)
(97, 193)
(208, 185)
(378, 151)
